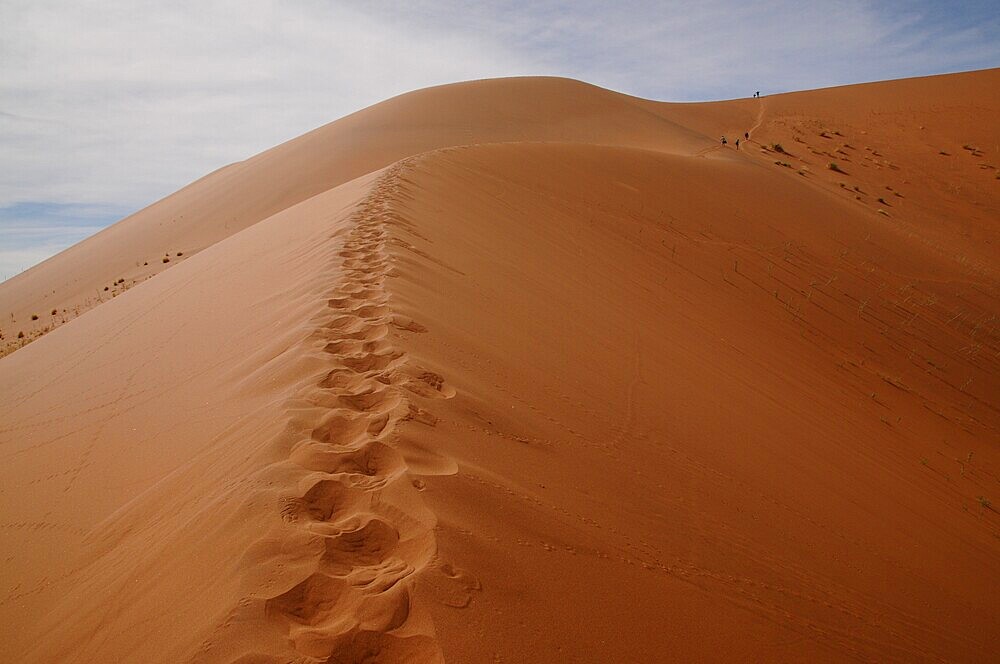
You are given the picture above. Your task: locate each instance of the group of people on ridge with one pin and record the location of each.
(746, 134)
(746, 137)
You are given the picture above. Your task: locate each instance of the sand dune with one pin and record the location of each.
(528, 371)
(237, 196)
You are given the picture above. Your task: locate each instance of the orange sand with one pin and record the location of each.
(527, 371)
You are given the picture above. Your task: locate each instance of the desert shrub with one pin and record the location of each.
(34, 316)
(834, 167)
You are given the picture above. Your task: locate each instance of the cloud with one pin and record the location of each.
(118, 103)
(714, 49)
(125, 102)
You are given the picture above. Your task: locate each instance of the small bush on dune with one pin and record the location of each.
(834, 167)
(34, 316)
(166, 259)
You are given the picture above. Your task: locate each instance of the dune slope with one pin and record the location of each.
(619, 395)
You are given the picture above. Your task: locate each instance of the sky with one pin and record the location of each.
(107, 105)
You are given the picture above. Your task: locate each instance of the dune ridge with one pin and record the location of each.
(357, 500)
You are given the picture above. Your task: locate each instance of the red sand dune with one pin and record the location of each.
(527, 371)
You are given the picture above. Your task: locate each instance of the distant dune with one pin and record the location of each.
(525, 370)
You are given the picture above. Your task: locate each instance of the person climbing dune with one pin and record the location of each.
(737, 144)
(746, 136)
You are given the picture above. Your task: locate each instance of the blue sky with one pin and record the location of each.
(106, 106)
(33, 231)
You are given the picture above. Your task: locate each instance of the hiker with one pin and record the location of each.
(757, 95)
(737, 144)
(746, 136)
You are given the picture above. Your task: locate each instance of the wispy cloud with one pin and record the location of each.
(120, 102)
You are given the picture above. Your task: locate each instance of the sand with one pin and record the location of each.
(527, 371)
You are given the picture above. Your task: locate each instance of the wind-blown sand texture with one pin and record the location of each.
(526, 370)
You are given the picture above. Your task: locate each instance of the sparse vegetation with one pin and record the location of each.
(777, 148)
(942, 152)
(984, 502)
(882, 201)
(20, 335)
(834, 167)
(54, 312)
(166, 259)
(34, 316)
(180, 253)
